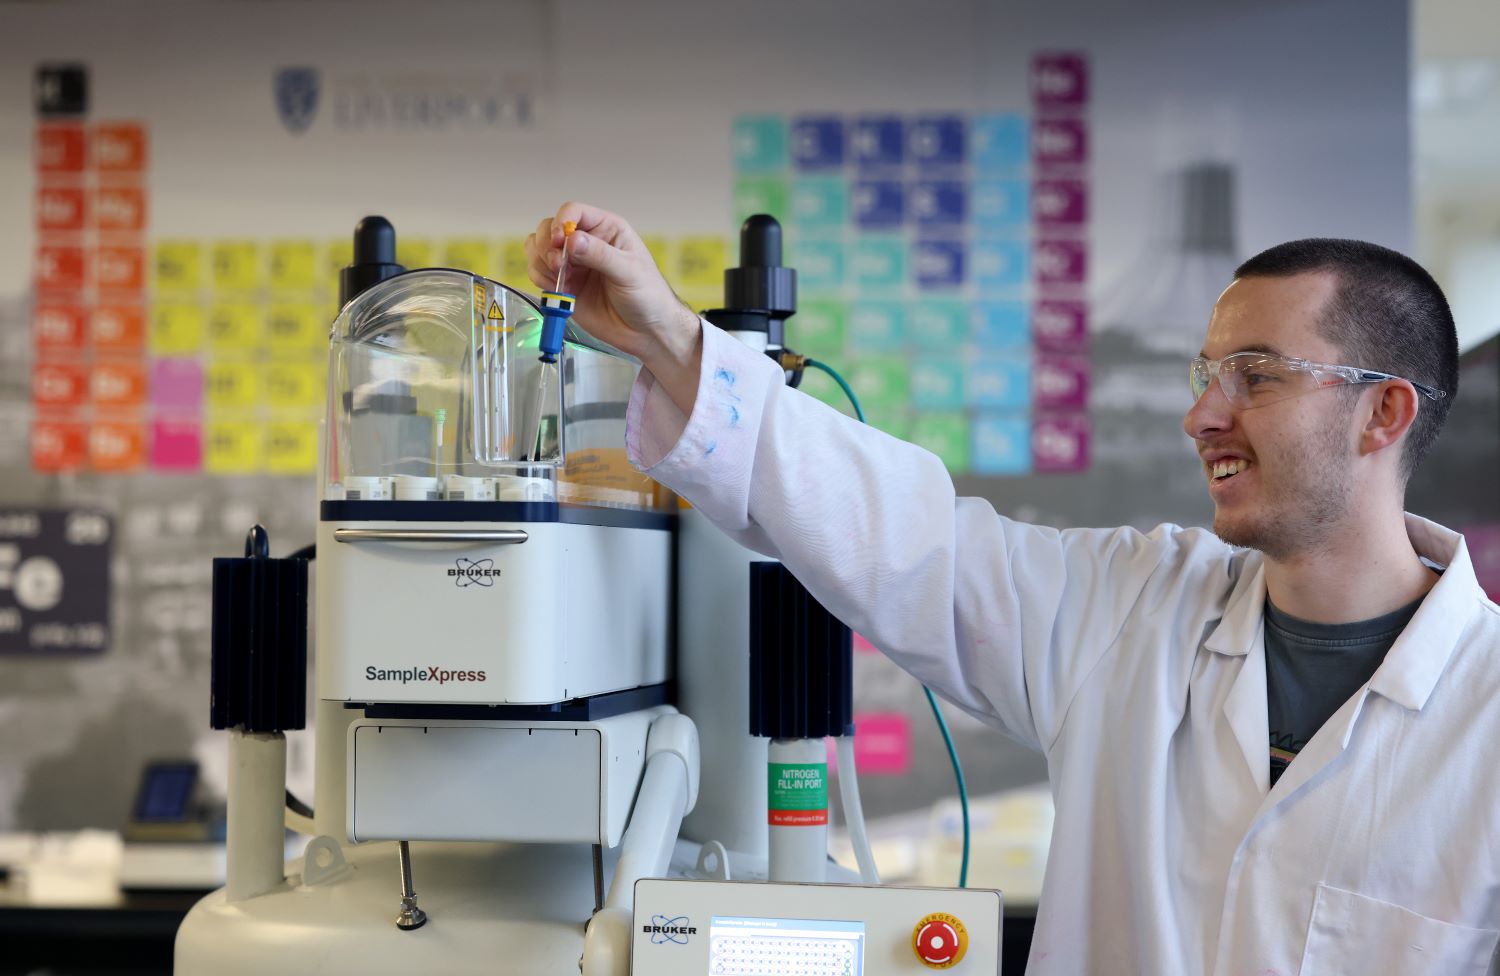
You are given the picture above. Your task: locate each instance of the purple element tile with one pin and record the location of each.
(1483, 541)
(939, 203)
(1059, 142)
(879, 204)
(1059, 80)
(937, 140)
(176, 445)
(1060, 262)
(1060, 203)
(818, 142)
(938, 263)
(878, 141)
(1060, 324)
(1060, 443)
(177, 384)
(1060, 381)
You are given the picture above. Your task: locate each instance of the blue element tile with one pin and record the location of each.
(937, 141)
(1002, 445)
(1000, 263)
(1001, 325)
(879, 262)
(1000, 382)
(1000, 143)
(938, 263)
(938, 203)
(878, 141)
(820, 202)
(819, 263)
(877, 326)
(879, 204)
(818, 142)
(937, 384)
(939, 323)
(1001, 205)
(758, 143)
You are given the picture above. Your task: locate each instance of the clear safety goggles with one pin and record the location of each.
(1254, 379)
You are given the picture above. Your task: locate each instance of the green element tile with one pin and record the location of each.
(939, 323)
(759, 143)
(757, 195)
(820, 329)
(880, 262)
(895, 421)
(880, 382)
(877, 326)
(820, 202)
(820, 264)
(937, 384)
(946, 435)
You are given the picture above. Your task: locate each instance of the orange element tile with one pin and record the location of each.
(119, 328)
(59, 328)
(61, 209)
(120, 209)
(119, 384)
(61, 148)
(120, 268)
(119, 147)
(59, 385)
(60, 268)
(58, 446)
(117, 446)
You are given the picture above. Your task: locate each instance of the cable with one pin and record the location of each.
(854, 813)
(958, 769)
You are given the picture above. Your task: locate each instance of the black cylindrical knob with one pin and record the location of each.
(374, 258)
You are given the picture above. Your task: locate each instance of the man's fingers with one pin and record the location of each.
(587, 251)
(604, 225)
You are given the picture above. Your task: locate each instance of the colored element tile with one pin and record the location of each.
(1060, 262)
(1000, 325)
(882, 745)
(817, 142)
(820, 202)
(758, 143)
(291, 447)
(938, 263)
(879, 262)
(1000, 143)
(1061, 324)
(293, 385)
(61, 209)
(1060, 443)
(179, 265)
(235, 327)
(118, 384)
(119, 147)
(1060, 382)
(1002, 444)
(60, 149)
(937, 141)
(294, 265)
(58, 446)
(233, 447)
(120, 269)
(338, 255)
(1059, 142)
(1000, 382)
(819, 329)
(760, 195)
(819, 264)
(228, 386)
(473, 254)
(1001, 204)
(946, 435)
(1059, 80)
(236, 266)
(176, 384)
(59, 328)
(701, 262)
(879, 204)
(878, 141)
(415, 252)
(880, 382)
(513, 262)
(1060, 203)
(895, 421)
(61, 268)
(116, 447)
(939, 323)
(120, 209)
(877, 326)
(176, 445)
(938, 203)
(59, 386)
(176, 330)
(1000, 263)
(937, 384)
(297, 329)
(119, 328)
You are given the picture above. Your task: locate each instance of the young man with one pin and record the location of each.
(1270, 745)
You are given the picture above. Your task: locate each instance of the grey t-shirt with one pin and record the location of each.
(1312, 669)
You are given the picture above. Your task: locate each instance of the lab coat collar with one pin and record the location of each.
(1415, 662)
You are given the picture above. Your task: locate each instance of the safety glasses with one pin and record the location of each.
(1254, 379)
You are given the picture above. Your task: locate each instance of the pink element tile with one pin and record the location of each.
(1060, 203)
(1060, 443)
(1060, 262)
(1059, 80)
(176, 445)
(1059, 142)
(1060, 324)
(1483, 541)
(862, 646)
(882, 743)
(1060, 382)
(177, 384)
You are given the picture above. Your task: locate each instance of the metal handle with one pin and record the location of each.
(509, 537)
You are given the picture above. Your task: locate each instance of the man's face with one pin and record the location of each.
(1288, 480)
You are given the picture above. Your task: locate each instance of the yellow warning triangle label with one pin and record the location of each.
(495, 312)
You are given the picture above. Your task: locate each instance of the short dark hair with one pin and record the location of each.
(1387, 314)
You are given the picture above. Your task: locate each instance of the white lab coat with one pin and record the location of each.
(1135, 662)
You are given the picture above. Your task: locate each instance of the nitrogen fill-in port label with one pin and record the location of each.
(798, 794)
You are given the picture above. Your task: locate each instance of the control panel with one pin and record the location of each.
(729, 928)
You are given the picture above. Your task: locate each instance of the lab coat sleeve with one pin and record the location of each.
(1002, 618)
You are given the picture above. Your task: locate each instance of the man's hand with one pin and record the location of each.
(622, 298)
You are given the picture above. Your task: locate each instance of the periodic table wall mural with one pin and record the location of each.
(1009, 222)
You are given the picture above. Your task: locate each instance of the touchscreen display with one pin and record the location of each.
(785, 947)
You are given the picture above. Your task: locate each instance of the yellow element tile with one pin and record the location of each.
(237, 266)
(700, 262)
(702, 298)
(177, 329)
(472, 254)
(294, 384)
(339, 254)
(231, 385)
(178, 265)
(513, 263)
(661, 250)
(414, 252)
(232, 446)
(294, 265)
(291, 447)
(235, 327)
(297, 328)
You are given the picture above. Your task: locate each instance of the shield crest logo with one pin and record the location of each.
(297, 97)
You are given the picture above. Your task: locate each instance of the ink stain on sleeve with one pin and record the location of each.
(734, 416)
(710, 448)
(722, 375)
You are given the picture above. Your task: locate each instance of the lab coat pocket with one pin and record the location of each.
(1351, 933)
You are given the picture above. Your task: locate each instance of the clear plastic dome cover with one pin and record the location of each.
(436, 390)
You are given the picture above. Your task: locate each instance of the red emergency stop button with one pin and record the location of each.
(940, 941)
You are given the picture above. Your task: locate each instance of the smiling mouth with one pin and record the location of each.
(1221, 471)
